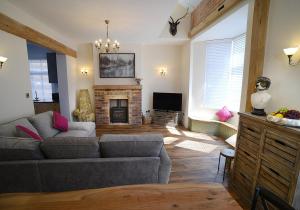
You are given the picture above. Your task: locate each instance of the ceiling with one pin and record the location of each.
(189, 3)
(138, 21)
(232, 25)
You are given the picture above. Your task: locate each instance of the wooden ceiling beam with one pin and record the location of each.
(14, 27)
(207, 12)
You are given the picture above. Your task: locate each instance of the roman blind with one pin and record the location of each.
(224, 64)
(39, 80)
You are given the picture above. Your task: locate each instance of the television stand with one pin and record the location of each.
(162, 117)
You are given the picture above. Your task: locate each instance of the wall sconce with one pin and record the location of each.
(84, 71)
(2, 60)
(290, 52)
(163, 71)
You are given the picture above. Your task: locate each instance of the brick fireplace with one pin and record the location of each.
(112, 102)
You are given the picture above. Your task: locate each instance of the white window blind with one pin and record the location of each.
(39, 80)
(224, 64)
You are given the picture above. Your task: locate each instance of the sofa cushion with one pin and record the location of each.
(115, 145)
(73, 133)
(60, 122)
(9, 129)
(44, 124)
(28, 133)
(13, 148)
(87, 126)
(71, 148)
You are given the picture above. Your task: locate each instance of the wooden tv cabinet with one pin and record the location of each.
(267, 155)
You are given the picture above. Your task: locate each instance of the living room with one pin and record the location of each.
(168, 96)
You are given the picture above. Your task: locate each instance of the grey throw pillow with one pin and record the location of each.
(44, 124)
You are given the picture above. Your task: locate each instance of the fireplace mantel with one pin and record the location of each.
(117, 87)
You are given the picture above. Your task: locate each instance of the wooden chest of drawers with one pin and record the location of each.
(267, 155)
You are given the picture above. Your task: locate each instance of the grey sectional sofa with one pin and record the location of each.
(61, 164)
(77, 159)
(42, 124)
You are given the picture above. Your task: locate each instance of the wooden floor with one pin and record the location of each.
(194, 155)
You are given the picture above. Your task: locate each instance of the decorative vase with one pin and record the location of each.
(138, 81)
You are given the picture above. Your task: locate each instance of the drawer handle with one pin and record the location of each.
(247, 153)
(275, 172)
(220, 8)
(243, 175)
(280, 142)
(250, 129)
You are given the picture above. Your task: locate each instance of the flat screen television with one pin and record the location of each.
(167, 101)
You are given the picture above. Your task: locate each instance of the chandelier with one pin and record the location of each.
(107, 46)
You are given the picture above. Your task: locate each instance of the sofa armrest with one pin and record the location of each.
(164, 167)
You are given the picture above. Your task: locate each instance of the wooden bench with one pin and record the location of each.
(215, 128)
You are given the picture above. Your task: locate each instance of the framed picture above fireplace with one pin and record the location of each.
(117, 65)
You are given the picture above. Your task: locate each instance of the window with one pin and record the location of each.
(39, 80)
(224, 64)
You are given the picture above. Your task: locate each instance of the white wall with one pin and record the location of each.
(72, 83)
(185, 80)
(283, 32)
(67, 84)
(197, 77)
(148, 59)
(153, 57)
(70, 79)
(85, 60)
(63, 88)
(14, 79)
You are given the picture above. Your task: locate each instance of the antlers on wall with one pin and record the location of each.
(173, 24)
(177, 21)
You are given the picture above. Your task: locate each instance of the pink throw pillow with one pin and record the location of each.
(224, 114)
(60, 122)
(29, 133)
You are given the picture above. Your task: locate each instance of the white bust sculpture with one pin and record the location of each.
(261, 98)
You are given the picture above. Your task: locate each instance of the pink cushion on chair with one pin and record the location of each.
(60, 122)
(29, 133)
(224, 114)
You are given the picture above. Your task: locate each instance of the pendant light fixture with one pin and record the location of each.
(107, 46)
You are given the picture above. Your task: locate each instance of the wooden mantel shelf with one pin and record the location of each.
(117, 87)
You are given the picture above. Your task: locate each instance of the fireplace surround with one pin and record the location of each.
(108, 96)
